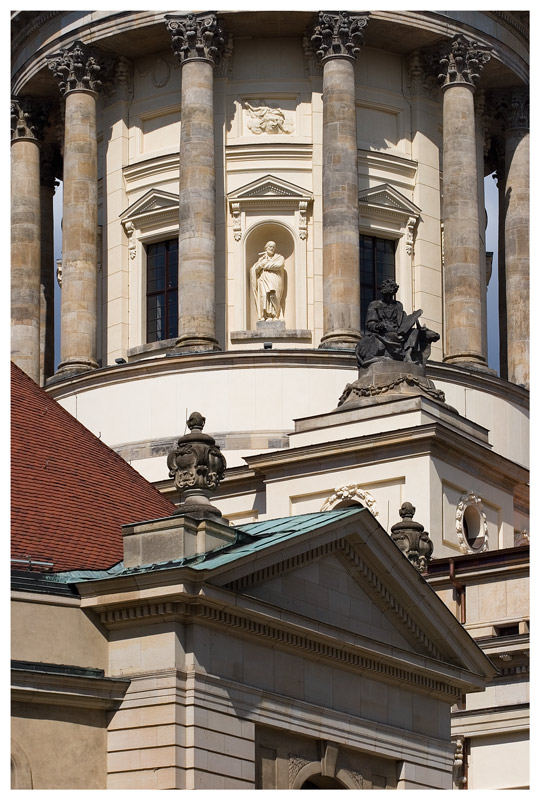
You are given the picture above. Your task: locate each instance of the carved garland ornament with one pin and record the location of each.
(465, 501)
(296, 763)
(352, 493)
(371, 391)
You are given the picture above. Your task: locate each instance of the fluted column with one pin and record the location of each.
(77, 70)
(198, 42)
(464, 286)
(337, 39)
(26, 121)
(516, 236)
(49, 170)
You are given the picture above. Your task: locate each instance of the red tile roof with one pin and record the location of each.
(70, 493)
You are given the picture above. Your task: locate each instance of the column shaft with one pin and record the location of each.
(25, 255)
(516, 233)
(47, 284)
(79, 241)
(341, 271)
(196, 238)
(463, 284)
(503, 334)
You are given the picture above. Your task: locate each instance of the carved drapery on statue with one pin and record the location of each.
(268, 283)
(391, 333)
(391, 355)
(197, 466)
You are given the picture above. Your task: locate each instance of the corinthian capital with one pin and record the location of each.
(196, 36)
(28, 118)
(462, 61)
(77, 67)
(338, 35)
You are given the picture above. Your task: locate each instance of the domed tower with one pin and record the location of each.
(237, 187)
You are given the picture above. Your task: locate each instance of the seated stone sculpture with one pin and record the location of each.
(391, 333)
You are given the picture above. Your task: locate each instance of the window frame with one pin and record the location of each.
(166, 291)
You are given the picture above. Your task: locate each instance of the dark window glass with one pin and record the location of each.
(162, 291)
(377, 262)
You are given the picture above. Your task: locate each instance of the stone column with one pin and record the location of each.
(198, 42)
(77, 69)
(337, 39)
(50, 167)
(26, 123)
(503, 334)
(464, 285)
(516, 236)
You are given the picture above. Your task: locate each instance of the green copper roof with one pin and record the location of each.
(250, 538)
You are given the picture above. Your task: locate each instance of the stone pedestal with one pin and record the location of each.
(198, 41)
(336, 40)
(464, 286)
(388, 380)
(25, 237)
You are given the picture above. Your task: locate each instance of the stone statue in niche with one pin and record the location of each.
(264, 119)
(268, 283)
(391, 333)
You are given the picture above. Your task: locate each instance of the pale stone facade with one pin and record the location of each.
(307, 131)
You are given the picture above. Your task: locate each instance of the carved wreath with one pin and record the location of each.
(352, 494)
(465, 501)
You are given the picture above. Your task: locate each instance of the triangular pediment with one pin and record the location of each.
(269, 186)
(342, 570)
(385, 196)
(154, 200)
(327, 590)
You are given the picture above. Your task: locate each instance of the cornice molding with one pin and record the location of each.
(67, 690)
(415, 673)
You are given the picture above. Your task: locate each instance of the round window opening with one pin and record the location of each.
(472, 526)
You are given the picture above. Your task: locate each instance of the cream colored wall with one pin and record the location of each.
(140, 140)
(499, 762)
(65, 747)
(55, 632)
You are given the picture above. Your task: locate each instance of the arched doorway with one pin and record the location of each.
(322, 782)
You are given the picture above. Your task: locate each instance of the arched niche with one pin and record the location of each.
(254, 243)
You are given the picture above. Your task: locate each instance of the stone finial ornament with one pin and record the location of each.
(197, 466)
(411, 538)
(196, 36)
(28, 118)
(462, 61)
(77, 67)
(338, 35)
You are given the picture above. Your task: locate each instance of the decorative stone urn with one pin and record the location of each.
(197, 466)
(411, 538)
